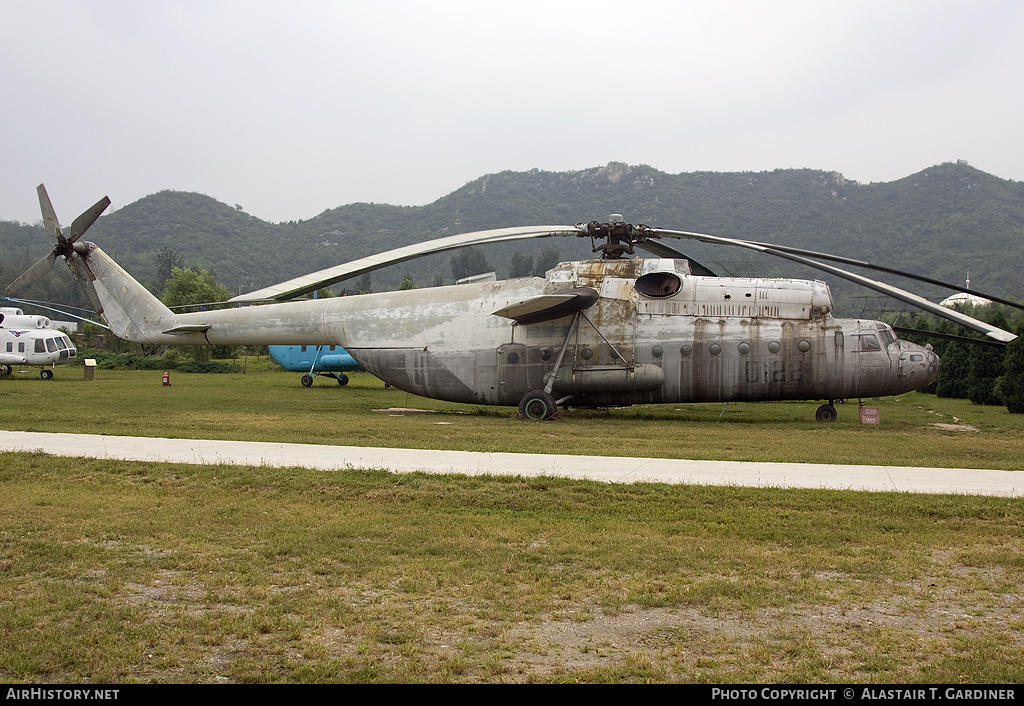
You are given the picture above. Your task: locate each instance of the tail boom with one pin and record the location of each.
(133, 313)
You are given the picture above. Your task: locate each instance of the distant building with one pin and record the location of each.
(960, 299)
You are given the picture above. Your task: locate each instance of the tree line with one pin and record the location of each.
(975, 368)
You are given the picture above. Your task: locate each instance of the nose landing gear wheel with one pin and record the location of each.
(46, 374)
(307, 380)
(343, 379)
(538, 406)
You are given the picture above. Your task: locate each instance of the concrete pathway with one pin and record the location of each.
(602, 468)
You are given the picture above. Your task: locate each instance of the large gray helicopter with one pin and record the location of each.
(603, 332)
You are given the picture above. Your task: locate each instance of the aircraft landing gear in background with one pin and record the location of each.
(826, 413)
(307, 379)
(537, 406)
(6, 370)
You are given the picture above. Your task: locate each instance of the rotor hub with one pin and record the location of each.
(619, 237)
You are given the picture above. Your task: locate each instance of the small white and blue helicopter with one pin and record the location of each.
(29, 340)
(332, 361)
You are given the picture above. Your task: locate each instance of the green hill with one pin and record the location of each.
(941, 222)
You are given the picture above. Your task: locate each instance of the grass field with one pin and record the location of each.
(119, 572)
(266, 404)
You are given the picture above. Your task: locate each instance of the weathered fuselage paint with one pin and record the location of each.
(714, 340)
(655, 334)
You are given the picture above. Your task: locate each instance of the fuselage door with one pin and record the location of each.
(512, 369)
(873, 363)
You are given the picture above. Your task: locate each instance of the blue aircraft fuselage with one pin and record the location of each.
(332, 361)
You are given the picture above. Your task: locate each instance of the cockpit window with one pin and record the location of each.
(869, 342)
(61, 343)
(51, 345)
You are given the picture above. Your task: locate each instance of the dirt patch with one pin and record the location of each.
(954, 427)
(403, 411)
(682, 640)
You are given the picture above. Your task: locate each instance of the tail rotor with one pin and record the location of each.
(65, 244)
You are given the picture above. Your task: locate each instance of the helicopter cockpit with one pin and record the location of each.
(59, 344)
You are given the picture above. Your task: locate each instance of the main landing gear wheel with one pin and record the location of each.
(343, 379)
(538, 406)
(826, 413)
(46, 374)
(307, 380)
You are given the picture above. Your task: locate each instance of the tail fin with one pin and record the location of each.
(128, 308)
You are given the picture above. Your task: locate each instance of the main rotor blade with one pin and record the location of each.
(331, 275)
(87, 218)
(894, 292)
(64, 308)
(902, 295)
(660, 249)
(50, 221)
(40, 269)
(62, 312)
(949, 337)
(891, 271)
(866, 265)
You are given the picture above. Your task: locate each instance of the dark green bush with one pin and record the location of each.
(208, 366)
(106, 360)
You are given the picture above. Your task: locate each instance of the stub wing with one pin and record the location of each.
(190, 328)
(548, 307)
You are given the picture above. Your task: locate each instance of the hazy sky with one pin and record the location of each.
(290, 108)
